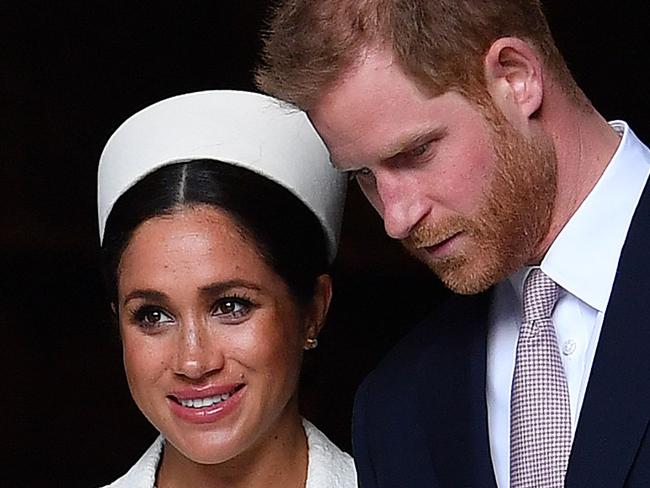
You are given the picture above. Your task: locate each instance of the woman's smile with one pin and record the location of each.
(207, 406)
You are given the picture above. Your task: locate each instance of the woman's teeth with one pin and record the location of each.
(204, 402)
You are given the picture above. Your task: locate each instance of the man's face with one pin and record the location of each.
(462, 189)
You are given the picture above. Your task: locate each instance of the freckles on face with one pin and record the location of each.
(212, 338)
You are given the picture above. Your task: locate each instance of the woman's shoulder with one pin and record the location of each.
(329, 466)
(143, 473)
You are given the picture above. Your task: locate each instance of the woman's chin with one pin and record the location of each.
(205, 449)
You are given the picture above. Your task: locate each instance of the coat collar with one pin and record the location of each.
(616, 409)
(452, 403)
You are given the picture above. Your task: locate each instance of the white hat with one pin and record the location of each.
(245, 129)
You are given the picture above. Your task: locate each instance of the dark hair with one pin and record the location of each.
(286, 232)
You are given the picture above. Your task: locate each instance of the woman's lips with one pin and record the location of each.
(206, 405)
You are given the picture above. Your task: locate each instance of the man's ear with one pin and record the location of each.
(514, 78)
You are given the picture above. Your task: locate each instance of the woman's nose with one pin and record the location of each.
(198, 354)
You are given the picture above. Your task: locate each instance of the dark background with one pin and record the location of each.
(70, 76)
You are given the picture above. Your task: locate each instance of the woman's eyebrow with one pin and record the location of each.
(215, 288)
(222, 286)
(147, 294)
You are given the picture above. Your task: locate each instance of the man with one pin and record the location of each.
(467, 133)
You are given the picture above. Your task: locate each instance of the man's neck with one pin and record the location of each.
(584, 144)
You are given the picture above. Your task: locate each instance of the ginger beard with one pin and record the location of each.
(511, 222)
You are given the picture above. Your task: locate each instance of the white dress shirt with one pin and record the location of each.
(582, 260)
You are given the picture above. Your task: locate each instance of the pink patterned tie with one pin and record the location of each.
(540, 415)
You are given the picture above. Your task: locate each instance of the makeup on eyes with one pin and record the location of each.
(230, 307)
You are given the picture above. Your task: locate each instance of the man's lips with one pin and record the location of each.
(440, 248)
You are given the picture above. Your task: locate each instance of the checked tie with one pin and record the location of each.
(540, 415)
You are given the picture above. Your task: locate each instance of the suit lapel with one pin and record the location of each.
(452, 405)
(616, 408)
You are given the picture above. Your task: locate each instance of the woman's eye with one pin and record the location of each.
(152, 317)
(233, 308)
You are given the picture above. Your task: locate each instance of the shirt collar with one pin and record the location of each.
(584, 256)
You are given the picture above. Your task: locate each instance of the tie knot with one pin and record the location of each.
(540, 295)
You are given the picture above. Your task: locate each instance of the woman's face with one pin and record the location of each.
(212, 338)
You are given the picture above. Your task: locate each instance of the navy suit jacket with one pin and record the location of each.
(420, 418)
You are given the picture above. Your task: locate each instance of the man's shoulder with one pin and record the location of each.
(449, 322)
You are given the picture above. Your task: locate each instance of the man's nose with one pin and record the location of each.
(401, 205)
(198, 354)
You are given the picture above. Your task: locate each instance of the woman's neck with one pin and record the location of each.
(278, 459)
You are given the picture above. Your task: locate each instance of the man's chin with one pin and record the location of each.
(468, 272)
(464, 286)
(464, 278)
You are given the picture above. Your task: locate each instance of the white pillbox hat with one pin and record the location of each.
(245, 129)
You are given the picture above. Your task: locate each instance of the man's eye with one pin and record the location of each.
(418, 151)
(360, 173)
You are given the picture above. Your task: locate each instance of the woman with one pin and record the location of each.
(219, 216)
